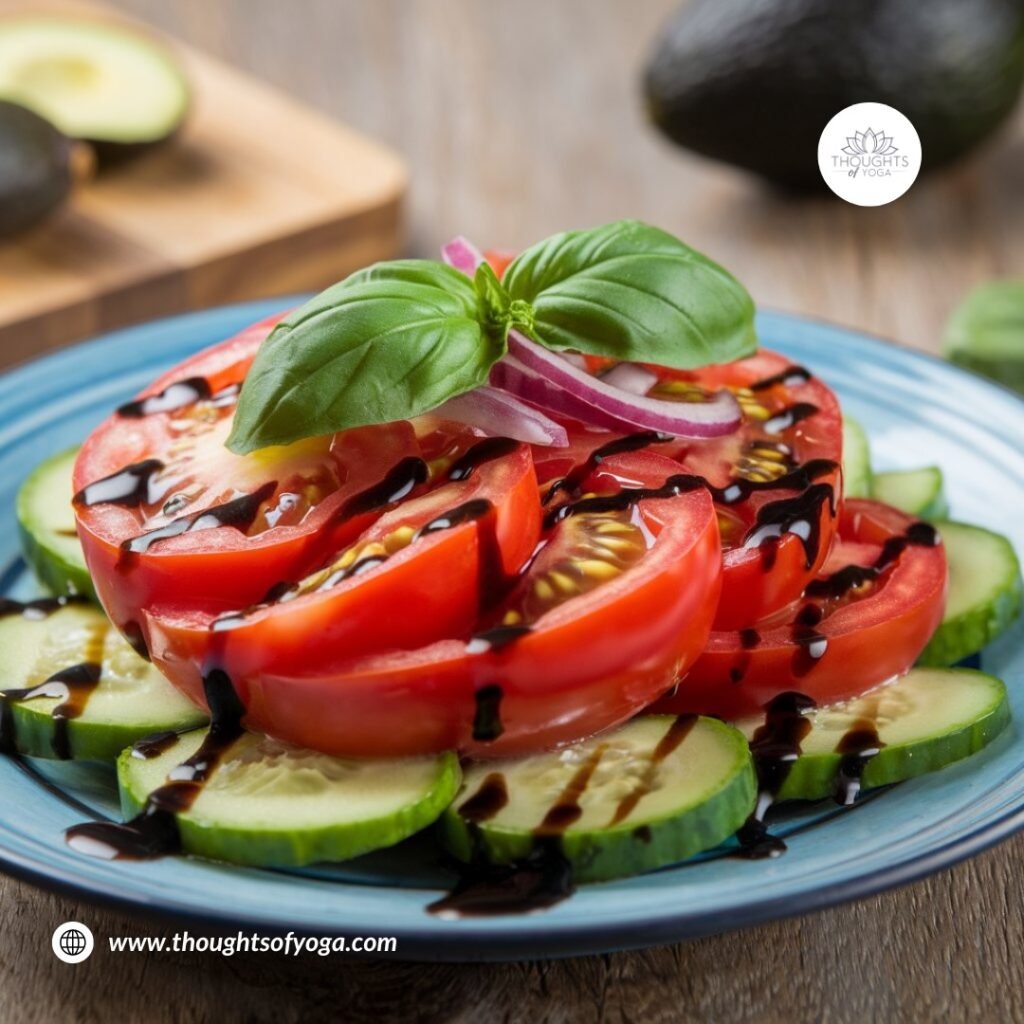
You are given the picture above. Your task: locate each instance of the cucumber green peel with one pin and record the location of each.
(984, 593)
(924, 721)
(130, 699)
(654, 792)
(47, 527)
(857, 475)
(273, 805)
(918, 492)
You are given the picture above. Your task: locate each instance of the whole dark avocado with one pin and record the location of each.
(35, 168)
(754, 82)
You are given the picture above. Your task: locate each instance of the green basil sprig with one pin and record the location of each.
(399, 339)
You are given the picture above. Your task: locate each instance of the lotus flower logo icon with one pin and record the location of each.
(869, 143)
(859, 158)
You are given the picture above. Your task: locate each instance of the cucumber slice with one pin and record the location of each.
(47, 526)
(268, 803)
(984, 593)
(654, 792)
(918, 492)
(856, 460)
(919, 723)
(62, 706)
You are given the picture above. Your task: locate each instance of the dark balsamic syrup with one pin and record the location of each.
(396, 484)
(858, 745)
(154, 831)
(238, 513)
(130, 487)
(566, 809)
(775, 746)
(800, 516)
(488, 449)
(487, 801)
(487, 725)
(178, 395)
(154, 745)
(539, 880)
(799, 479)
(789, 417)
(71, 686)
(498, 638)
(573, 480)
(674, 736)
(790, 377)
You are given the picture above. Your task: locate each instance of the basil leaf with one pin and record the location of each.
(392, 341)
(630, 291)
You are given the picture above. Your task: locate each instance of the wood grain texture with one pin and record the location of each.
(257, 195)
(519, 119)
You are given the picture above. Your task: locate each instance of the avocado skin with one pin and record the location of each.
(35, 168)
(754, 82)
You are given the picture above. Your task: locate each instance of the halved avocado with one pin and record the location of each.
(35, 168)
(107, 85)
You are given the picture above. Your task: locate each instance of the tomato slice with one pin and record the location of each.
(864, 620)
(168, 516)
(618, 599)
(422, 572)
(775, 480)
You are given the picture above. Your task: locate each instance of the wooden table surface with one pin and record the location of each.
(519, 119)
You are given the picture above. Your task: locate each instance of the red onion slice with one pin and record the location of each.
(463, 255)
(631, 378)
(500, 414)
(511, 375)
(721, 415)
(607, 402)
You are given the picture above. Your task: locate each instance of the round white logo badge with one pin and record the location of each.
(72, 942)
(869, 154)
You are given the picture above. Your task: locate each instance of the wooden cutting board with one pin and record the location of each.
(257, 196)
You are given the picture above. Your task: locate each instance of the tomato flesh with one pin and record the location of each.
(418, 574)
(864, 620)
(536, 671)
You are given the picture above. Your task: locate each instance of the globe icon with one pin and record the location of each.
(72, 942)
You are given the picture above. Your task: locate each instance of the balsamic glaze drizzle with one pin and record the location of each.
(799, 479)
(487, 725)
(540, 879)
(483, 451)
(175, 396)
(572, 481)
(497, 638)
(789, 417)
(487, 801)
(239, 513)
(566, 809)
(154, 745)
(154, 831)
(859, 744)
(800, 516)
(791, 376)
(71, 686)
(774, 747)
(129, 487)
(396, 484)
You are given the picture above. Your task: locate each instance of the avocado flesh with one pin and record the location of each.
(754, 82)
(109, 86)
(35, 169)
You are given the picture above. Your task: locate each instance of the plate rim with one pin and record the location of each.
(550, 939)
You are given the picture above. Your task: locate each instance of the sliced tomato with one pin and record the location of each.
(168, 516)
(864, 620)
(616, 602)
(423, 571)
(775, 481)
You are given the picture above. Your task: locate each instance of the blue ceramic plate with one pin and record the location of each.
(917, 410)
